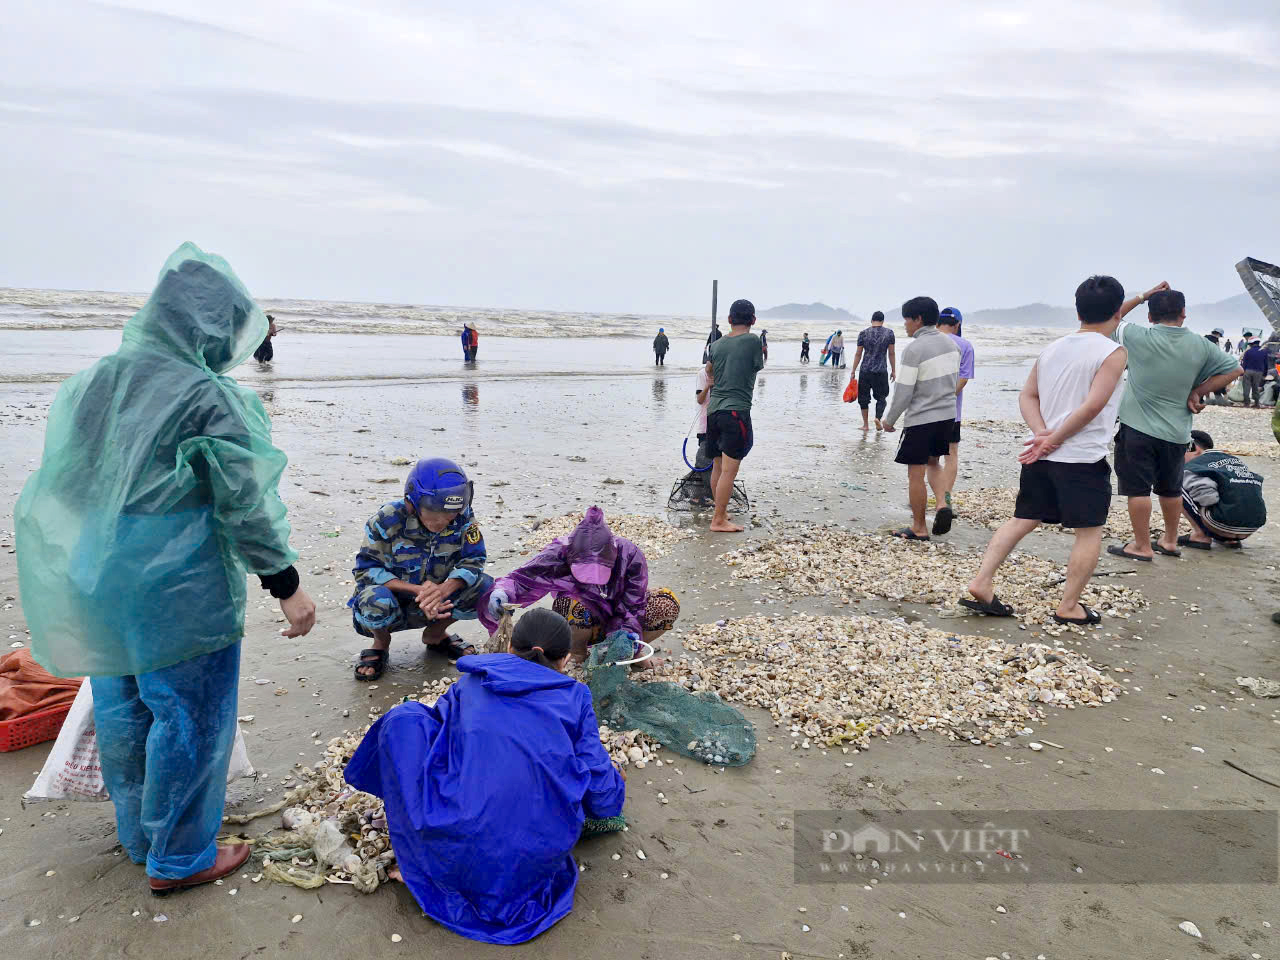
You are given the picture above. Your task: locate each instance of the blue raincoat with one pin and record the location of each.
(485, 795)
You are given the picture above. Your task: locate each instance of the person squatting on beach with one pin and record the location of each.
(734, 360)
(877, 365)
(600, 582)
(156, 494)
(1221, 497)
(949, 322)
(487, 791)
(1069, 402)
(660, 347)
(925, 397)
(1171, 371)
(421, 566)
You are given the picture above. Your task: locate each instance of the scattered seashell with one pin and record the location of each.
(297, 918)
(396, 938)
(1037, 747)
(640, 854)
(159, 918)
(1190, 929)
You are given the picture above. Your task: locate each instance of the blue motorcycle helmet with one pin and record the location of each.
(438, 484)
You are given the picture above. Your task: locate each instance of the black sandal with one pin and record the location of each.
(453, 647)
(371, 658)
(906, 534)
(1186, 541)
(995, 607)
(942, 521)
(1090, 618)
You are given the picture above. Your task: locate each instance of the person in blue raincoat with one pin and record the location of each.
(486, 792)
(156, 493)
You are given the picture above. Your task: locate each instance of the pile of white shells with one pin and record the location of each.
(844, 566)
(1240, 430)
(652, 535)
(844, 680)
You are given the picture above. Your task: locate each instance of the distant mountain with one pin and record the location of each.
(1230, 314)
(1028, 315)
(809, 311)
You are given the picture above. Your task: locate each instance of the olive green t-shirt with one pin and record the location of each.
(1165, 364)
(735, 361)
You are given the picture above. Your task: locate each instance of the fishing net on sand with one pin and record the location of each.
(693, 490)
(698, 725)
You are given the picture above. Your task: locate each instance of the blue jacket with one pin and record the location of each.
(485, 795)
(1255, 360)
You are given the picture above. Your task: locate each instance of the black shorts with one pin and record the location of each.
(955, 434)
(1145, 463)
(1073, 494)
(924, 441)
(872, 382)
(729, 432)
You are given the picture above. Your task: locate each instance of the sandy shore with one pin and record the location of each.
(724, 839)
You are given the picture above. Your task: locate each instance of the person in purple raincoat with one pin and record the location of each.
(600, 583)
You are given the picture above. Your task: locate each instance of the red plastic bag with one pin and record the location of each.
(851, 391)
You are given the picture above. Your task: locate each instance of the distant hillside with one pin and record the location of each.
(1230, 314)
(808, 311)
(1029, 315)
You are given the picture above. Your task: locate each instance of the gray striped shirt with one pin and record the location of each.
(928, 372)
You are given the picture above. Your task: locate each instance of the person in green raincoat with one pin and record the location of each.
(156, 494)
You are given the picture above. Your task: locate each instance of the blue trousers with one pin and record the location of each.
(164, 739)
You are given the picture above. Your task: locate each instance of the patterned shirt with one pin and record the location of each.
(875, 343)
(398, 547)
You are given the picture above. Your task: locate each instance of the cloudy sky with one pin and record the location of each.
(617, 156)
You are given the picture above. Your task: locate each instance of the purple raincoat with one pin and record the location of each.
(618, 604)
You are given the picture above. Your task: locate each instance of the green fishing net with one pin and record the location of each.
(698, 725)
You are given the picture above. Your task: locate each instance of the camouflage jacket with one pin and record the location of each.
(398, 547)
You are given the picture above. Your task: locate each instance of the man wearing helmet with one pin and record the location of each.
(421, 566)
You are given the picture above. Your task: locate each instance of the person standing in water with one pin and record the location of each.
(470, 342)
(804, 349)
(877, 365)
(836, 349)
(660, 347)
(266, 352)
(949, 323)
(735, 361)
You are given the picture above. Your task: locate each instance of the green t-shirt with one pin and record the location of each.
(735, 361)
(1165, 364)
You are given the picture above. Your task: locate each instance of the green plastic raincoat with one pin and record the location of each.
(157, 489)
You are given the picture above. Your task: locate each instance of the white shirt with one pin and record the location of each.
(1065, 372)
(702, 407)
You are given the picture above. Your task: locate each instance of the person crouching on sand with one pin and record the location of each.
(421, 566)
(486, 792)
(601, 586)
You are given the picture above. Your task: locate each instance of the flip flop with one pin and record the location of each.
(453, 647)
(1117, 551)
(993, 608)
(1164, 552)
(377, 659)
(942, 521)
(906, 534)
(1186, 541)
(1234, 545)
(1090, 618)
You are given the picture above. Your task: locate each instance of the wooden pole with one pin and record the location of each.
(715, 293)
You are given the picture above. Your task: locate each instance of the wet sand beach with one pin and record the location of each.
(540, 425)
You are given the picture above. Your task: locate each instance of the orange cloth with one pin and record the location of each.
(27, 688)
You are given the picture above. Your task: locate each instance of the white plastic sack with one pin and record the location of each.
(73, 771)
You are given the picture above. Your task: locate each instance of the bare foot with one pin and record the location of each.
(724, 526)
(394, 874)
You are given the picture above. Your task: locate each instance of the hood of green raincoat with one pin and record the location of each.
(200, 312)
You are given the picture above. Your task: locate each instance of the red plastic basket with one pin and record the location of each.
(32, 729)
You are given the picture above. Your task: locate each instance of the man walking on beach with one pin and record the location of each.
(836, 349)
(1069, 402)
(1171, 371)
(926, 395)
(735, 359)
(949, 322)
(1255, 367)
(876, 365)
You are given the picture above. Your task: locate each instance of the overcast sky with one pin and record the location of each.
(618, 155)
